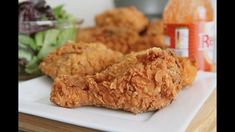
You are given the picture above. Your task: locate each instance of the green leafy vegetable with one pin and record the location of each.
(39, 37)
(57, 12)
(32, 66)
(66, 34)
(49, 43)
(24, 39)
(25, 54)
(22, 46)
(33, 48)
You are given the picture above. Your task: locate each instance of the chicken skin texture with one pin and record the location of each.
(146, 42)
(155, 27)
(152, 37)
(78, 59)
(143, 81)
(124, 17)
(118, 39)
(189, 71)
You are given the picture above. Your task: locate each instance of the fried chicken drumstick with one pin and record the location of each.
(78, 59)
(139, 82)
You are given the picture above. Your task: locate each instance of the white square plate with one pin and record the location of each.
(34, 99)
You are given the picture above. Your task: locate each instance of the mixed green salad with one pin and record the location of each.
(42, 29)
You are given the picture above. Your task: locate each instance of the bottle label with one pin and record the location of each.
(194, 41)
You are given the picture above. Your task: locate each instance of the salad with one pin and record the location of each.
(42, 29)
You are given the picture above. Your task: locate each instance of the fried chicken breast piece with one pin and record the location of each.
(126, 17)
(140, 82)
(116, 38)
(78, 59)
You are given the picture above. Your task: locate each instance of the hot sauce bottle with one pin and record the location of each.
(189, 29)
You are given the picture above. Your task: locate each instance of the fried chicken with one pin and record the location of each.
(153, 37)
(78, 59)
(146, 42)
(155, 27)
(139, 82)
(116, 38)
(125, 17)
(189, 71)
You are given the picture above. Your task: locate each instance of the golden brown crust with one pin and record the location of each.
(146, 42)
(155, 27)
(142, 81)
(189, 71)
(116, 38)
(152, 37)
(78, 58)
(125, 17)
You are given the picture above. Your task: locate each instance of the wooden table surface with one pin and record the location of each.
(204, 121)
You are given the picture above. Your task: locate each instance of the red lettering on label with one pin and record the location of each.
(205, 41)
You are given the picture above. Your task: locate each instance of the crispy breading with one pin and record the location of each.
(189, 71)
(116, 38)
(155, 27)
(146, 42)
(142, 81)
(152, 37)
(78, 58)
(125, 17)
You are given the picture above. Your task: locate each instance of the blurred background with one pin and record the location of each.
(87, 9)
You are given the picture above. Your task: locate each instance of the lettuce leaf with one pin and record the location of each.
(50, 42)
